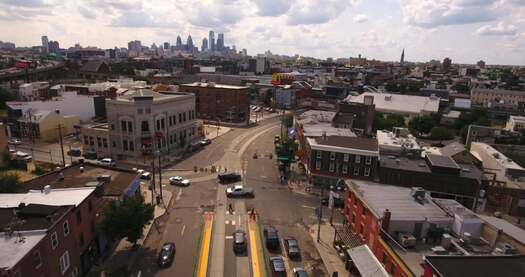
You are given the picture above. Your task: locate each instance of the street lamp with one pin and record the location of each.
(158, 154)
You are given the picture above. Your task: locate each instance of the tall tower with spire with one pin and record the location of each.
(402, 61)
(178, 44)
(189, 43)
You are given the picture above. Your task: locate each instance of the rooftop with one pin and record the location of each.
(137, 94)
(16, 246)
(442, 161)
(507, 227)
(479, 266)
(368, 144)
(213, 85)
(366, 262)
(399, 103)
(121, 179)
(30, 217)
(396, 142)
(503, 160)
(53, 197)
(315, 123)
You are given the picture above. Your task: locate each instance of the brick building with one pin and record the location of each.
(225, 103)
(356, 116)
(47, 232)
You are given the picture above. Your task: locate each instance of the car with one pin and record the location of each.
(205, 142)
(258, 109)
(254, 107)
(228, 177)
(90, 155)
(74, 152)
(239, 191)
(277, 266)
(14, 141)
(239, 242)
(267, 109)
(338, 202)
(23, 156)
(277, 139)
(179, 181)
(166, 254)
(299, 272)
(145, 175)
(106, 162)
(271, 238)
(292, 248)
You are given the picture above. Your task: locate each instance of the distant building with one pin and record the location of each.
(402, 60)
(515, 123)
(33, 91)
(204, 46)
(407, 105)
(135, 45)
(219, 102)
(211, 41)
(356, 116)
(189, 44)
(220, 42)
(498, 99)
(54, 46)
(178, 43)
(447, 62)
(166, 45)
(481, 64)
(45, 44)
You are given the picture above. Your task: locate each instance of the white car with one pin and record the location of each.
(23, 156)
(179, 181)
(14, 141)
(106, 162)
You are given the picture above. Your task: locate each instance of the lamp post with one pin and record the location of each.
(158, 154)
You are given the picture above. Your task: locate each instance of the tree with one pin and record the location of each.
(422, 124)
(9, 182)
(441, 133)
(5, 96)
(382, 122)
(127, 218)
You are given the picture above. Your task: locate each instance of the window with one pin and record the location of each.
(357, 159)
(148, 110)
(158, 124)
(367, 171)
(332, 156)
(162, 123)
(81, 239)
(184, 117)
(114, 144)
(384, 259)
(180, 117)
(54, 240)
(130, 126)
(345, 169)
(90, 205)
(105, 142)
(356, 171)
(319, 154)
(174, 119)
(353, 218)
(79, 217)
(112, 126)
(131, 146)
(346, 157)
(66, 228)
(64, 262)
(125, 144)
(318, 165)
(37, 259)
(123, 126)
(99, 142)
(332, 166)
(86, 140)
(393, 269)
(144, 126)
(91, 141)
(140, 111)
(368, 160)
(169, 121)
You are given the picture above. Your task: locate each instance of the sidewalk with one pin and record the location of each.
(328, 254)
(210, 131)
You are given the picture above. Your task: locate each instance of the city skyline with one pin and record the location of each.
(464, 30)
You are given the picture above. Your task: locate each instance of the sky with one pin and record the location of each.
(464, 30)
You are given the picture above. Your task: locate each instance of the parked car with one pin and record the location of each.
(90, 155)
(166, 254)
(292, 248)
(277, 266)
(14, 141)
(299, 272)
(74, 152)
(106, 162)
(229, 177)
(205, 142)
(239, 242)
(239, 191)
(23, 156)
(272, 238)
(179, 181)
(145, 175)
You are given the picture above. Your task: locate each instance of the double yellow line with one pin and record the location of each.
(254, 241)
(205, 246)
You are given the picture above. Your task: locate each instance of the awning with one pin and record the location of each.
(366, 262)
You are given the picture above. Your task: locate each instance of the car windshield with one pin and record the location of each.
(278, 264)
(292, 242)
(239, 237)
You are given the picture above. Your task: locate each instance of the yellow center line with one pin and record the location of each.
(255, 254)
(205, 249)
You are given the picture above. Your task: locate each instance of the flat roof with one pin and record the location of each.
(315, 123)
(387, 102)
(55, 197)
(442, 161)
(366, 262)
(387, 139)
(479, 266)
(133, 95)
(369, 144)
(14, 248)
(213, 85)
(398, 200)
(507, 227)
(121, 179)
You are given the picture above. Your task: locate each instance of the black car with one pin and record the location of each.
(229, 177)
(74, 152)
(277, 266)
(239, 242)
(90, 155)
(292, 248)
(166, 255)
(299, 272)
(272, 238)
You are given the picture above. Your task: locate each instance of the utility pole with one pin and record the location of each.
(160, 178)
(153, 181)
(320, 215)
(61, 144)
(70, 156)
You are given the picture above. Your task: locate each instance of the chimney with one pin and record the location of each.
(385, 221)
(47, 189)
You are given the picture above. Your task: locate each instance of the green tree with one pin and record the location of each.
(127, 218)
(441, 133)
(382, 122)
(5, 96)
(421, 124)
(9, 182)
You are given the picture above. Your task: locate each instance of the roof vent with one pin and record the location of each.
(47, 189)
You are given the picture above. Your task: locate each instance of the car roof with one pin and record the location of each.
(239, 236)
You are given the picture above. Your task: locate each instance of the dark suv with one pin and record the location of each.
(277, 266)
(166, 255)
(272, 238)
(229, 177)
(239, 242)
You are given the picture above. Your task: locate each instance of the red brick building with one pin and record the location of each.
(225, 103)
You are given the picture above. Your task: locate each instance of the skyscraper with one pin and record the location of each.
(166, 45)
(402, 61)
(204, 46)
(178, 44)
(211, 40)
(135, 45)
(447, 62)
(54, 46)
(189, 44)
(45, 44)
(220, 42)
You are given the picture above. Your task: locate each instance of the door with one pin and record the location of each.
(417, 230)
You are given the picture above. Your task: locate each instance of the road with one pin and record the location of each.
(288, 211)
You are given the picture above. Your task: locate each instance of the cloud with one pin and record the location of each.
(431, 13)
(23, 10)
(273, 7)
(498, 30)
(24, 3)
(360, 18)
(215, 14)
(141, 19)
(90, 14)
(316, 11)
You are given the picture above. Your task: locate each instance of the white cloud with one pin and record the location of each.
(273, 7)
(360, 18)
(315, 11)
(498, 30)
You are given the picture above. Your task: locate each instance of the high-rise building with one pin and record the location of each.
(178, 44)
(189, 43)
(135, 45)
(402, 61)
(54, 46)
(45, 44)
(447, 62)
(220, 42)
(204, 46)
(166, 45)
(481, 64)
(211, 41)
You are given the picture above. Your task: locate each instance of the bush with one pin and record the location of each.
(9, 182)
(441, 133)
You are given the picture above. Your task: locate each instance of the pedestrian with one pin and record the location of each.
(230, 208)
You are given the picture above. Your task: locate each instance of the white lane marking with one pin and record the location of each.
(309, 207)
(182, 231)
(179, 195)
(228, 237)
